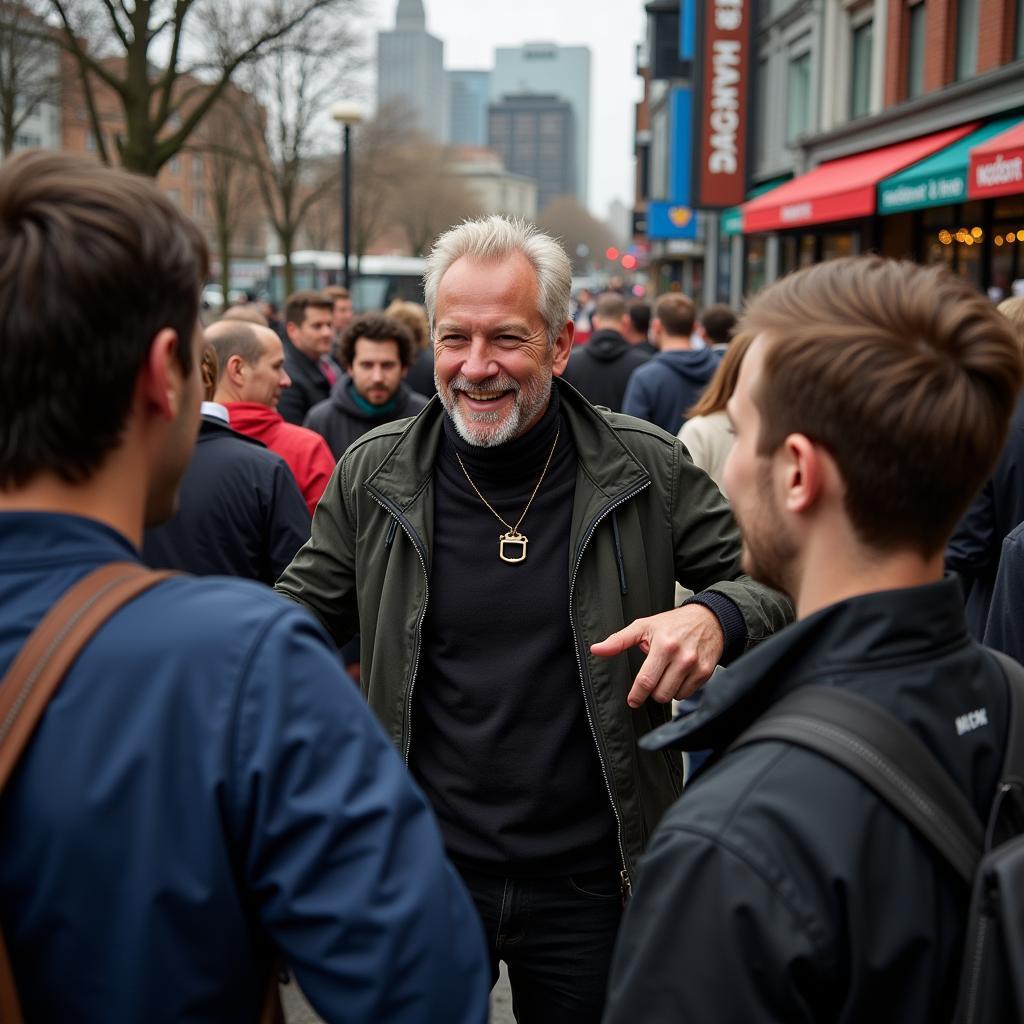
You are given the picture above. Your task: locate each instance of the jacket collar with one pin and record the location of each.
(604, 461)
(883, 629)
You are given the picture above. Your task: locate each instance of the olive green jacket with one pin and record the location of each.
(643, 517)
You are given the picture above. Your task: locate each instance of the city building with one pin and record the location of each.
(893, 126)
(468, 96)
(496, 189)
(30, 69)
(535, 136)
(410, 70)
(559, 71)
(210, 179)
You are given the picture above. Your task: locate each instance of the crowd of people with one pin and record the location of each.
(487, 523)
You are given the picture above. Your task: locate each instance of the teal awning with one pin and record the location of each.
(730, 221)
(938, 180)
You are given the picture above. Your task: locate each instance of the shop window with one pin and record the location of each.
(798, 97)
(861, 42)
(915, 48)
(756, 248)
(966, 39)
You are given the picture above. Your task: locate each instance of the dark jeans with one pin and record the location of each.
(556, 935)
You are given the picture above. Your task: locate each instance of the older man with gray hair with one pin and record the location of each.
(509, 558)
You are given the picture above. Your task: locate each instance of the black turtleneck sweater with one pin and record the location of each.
(501, 744)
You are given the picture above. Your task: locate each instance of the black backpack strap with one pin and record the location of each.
(885, 755)
(1007, 816)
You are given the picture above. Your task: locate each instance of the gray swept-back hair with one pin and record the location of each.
(494, 238)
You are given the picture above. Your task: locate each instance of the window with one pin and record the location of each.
(198, 204)
(174, 194)
(174, 165)
(798, 97)
(861, 42)
(966, 39)
(915, 49)
(197, 168)
(1018, 49)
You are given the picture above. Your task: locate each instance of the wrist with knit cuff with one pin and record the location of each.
(730, 618)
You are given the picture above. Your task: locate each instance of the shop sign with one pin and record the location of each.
(720, 150)
(670, 220)
(997, 167)
(936, 191)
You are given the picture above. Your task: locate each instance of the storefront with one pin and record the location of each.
(832, 211)
(929, 214)
(954, 197)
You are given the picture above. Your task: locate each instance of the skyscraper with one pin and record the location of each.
(468, 94)
(536, 136)
(562, 71)
(410, 70)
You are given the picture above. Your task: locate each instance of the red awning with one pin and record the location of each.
(841, 189)
(997, 166)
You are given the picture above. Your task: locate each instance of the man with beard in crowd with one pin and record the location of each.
(456, 543)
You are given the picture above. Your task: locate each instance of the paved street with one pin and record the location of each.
(298, 1011)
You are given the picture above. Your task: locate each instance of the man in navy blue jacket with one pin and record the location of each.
(206, 791)
(240, 511)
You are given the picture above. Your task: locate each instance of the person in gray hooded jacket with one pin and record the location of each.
(376, 351)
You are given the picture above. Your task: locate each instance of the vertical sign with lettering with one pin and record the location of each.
(720, 157)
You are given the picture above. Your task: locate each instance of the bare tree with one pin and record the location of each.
(565, 219)
(295, 86)
(221, 141)
(166, 62)
(29, 67)
(432, 197)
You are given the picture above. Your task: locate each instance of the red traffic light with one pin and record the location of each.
(629, 262)
(611, 253)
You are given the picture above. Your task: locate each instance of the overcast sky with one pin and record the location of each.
(471, 29)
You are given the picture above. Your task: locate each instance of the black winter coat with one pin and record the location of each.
(600, 369)
(973, 550)
(309, 385)
(240, 512)
(779, 887)
(339, 421)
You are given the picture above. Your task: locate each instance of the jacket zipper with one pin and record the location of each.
(627, 886)
(416, 543)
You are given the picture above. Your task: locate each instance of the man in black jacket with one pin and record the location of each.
(376, 351)
(600, 369)
(779, 887)
(309, 322)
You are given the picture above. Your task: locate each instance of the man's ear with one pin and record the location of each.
(291, 330)
(563, 348)
(162, 380)
(803, 471)
(233, 370)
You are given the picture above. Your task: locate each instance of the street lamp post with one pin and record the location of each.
(346, 114)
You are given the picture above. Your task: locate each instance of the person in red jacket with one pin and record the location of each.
(252, 374)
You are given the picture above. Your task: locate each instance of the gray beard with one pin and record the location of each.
(530, 402)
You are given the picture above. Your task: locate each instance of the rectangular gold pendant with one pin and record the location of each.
(512, 547)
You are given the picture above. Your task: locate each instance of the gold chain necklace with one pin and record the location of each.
(512, 545)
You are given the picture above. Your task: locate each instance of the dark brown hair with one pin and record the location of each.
(906, 375)
(376, 327)
(716, 395)
(718, 321)
(94, 262)
(677, 314)
(297, 303)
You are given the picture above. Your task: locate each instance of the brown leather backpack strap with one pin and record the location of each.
(37, 672)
